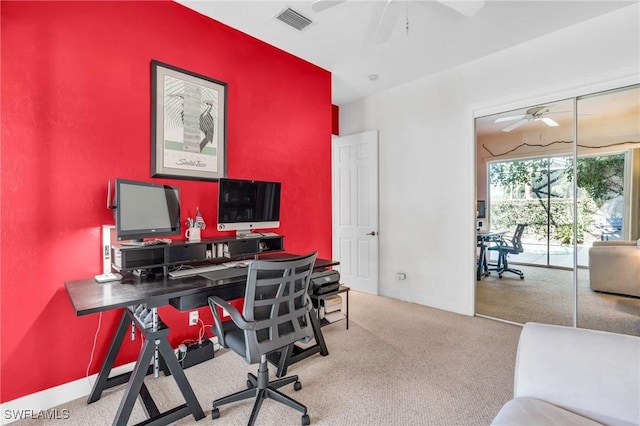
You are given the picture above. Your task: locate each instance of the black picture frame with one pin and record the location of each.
(188, 124)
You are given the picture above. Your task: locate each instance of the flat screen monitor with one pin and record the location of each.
(245, 205)
(146, 210)
(481, 209)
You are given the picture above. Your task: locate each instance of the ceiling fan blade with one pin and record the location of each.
(388, 21)
(320, 5)
(467, 8)
(509, 118)
(549, 122)
(515, 125)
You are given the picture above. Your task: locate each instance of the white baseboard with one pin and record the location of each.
(40, 404)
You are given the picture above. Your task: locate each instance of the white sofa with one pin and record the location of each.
(614, 267)
(573, 376)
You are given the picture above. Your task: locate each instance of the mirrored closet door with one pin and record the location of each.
(608, 182)
(568, 195)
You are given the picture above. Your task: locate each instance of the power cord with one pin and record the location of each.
(202, 332)
(216, 346)
(95, 340)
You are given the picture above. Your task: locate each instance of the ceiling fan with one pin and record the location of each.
(393, 8)
(532, 114)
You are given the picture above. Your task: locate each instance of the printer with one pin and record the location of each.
(323, 282)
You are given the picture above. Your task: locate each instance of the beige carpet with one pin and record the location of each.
(398, 364)
(546, 295)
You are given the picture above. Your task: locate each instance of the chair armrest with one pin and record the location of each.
(236, 316)
(217, 322)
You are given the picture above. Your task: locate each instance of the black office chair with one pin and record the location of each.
(275, 315)
(505, 247)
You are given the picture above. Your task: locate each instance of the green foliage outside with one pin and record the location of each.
(601, 177)
(507, 214)
(531, 183)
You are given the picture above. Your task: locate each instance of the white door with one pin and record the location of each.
(355, 210)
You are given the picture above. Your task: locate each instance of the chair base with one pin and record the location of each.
(260, 388)
(503, 266)
(514, 271)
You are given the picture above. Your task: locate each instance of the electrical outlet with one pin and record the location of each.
(216, 343)
(193, 318)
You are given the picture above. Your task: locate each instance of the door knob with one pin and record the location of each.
(371, 233)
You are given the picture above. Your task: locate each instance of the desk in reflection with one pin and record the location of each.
(483, 239)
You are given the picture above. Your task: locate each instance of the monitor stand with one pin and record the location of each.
(246, 233)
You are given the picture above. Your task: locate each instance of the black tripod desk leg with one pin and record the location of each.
(104, 381)
(135, 379)
(317, 333)
(136, 387)
(135, 383)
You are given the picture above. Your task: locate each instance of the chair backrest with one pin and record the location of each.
(517, 237)
(277, 301)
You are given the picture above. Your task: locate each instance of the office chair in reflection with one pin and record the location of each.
(507, 246)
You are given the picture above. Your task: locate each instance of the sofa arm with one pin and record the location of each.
(592, 373)
(615, 269)
(615, 243)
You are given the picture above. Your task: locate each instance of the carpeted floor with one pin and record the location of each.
(398, 364)
(546, 295)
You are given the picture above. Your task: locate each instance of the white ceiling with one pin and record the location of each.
(341, 39)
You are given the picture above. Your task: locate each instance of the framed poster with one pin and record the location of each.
(188, 124)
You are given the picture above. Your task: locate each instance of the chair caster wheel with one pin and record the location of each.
(522, 277)
(215, 413)
(297, 386)
(500, 276)
(249, 384)
(306, 421)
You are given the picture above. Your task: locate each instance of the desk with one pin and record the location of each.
(483, 237)
(88, 297)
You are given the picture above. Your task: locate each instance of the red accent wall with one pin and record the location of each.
(75, 113)
(335, 125)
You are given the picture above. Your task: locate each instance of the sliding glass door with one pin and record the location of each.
(537, 192)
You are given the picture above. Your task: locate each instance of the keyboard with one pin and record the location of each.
(156, 242)
(187, 272)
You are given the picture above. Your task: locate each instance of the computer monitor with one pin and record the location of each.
(146, 210)
(245, 205)
(481, 212)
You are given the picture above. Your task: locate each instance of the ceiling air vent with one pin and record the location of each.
(294, 19)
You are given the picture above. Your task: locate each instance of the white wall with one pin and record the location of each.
(427, 149)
